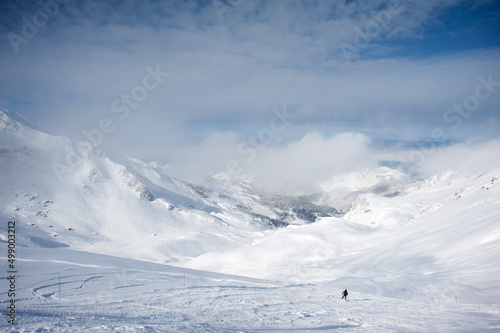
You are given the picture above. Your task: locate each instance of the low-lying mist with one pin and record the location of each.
(304, 165)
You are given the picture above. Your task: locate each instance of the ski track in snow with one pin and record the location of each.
(134, 300)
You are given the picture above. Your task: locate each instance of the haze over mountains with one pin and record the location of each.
(382, 233)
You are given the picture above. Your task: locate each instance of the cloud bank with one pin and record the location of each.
(305, 165)
(229, 67)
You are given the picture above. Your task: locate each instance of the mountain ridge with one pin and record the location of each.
(105, 194)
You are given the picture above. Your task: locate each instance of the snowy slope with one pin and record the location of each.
(69, 193)
(99, 293)
(445, 230)
(138, 250)
(94, 201)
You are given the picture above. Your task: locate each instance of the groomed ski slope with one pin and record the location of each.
(104, 294)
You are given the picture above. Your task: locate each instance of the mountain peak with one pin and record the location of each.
(12, 121)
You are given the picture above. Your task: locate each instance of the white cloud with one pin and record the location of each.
(471, 157)
(306, 164)
(297, 166)
(230, 74)
(302, 165)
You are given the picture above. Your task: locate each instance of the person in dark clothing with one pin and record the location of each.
(344, 294)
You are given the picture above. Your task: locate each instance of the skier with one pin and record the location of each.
(344, 294)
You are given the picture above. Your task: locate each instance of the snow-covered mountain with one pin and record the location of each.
(136, 249)
(70, 193)
(342, 190)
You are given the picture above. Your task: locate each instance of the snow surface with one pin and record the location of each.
(116, 244)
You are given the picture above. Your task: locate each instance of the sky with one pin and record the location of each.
(221, 83)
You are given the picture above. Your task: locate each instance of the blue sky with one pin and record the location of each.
(231, 63)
